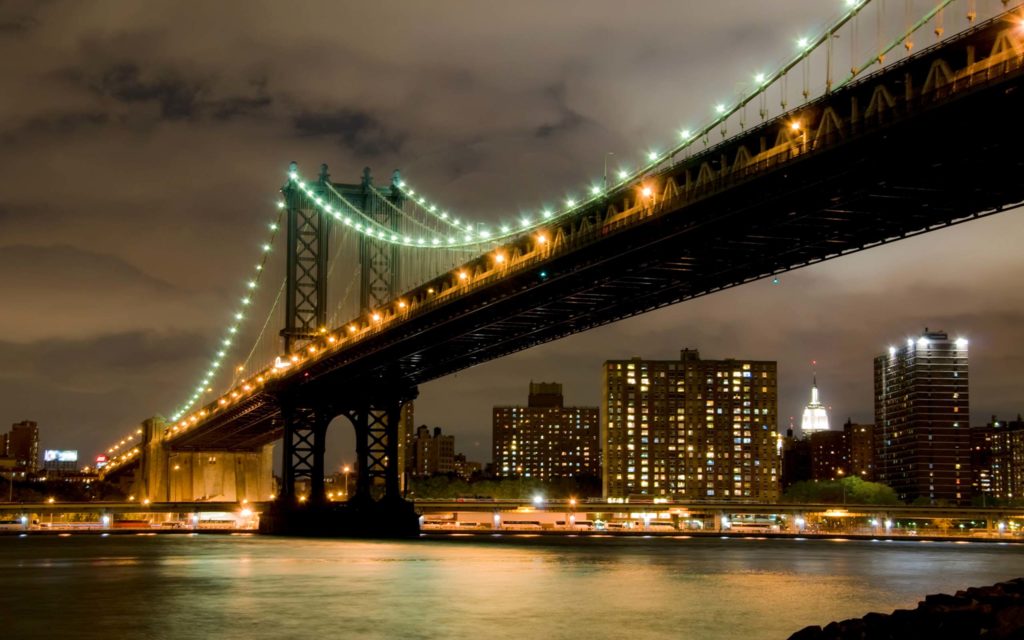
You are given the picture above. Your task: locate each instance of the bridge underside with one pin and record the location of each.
(908, 172)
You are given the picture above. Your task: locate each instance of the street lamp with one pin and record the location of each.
(839, 473)
(346, 470)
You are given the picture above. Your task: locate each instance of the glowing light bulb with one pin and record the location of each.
(685, 134)
(652, 155)
(647, 192)
(803, 42)
(499, 258)
(570, 203)
(719, 108)
(759, 78)
(463, 275)
(376, 317)
(622, 174)
(595, 190)
(280, 205)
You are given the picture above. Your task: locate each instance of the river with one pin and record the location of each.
(210, 586)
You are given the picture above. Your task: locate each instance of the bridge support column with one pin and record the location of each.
(376, 422)
(377, 508)
(305, 431)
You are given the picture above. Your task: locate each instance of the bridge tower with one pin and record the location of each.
(374, 408)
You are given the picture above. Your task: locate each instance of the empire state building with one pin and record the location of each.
(815, 417)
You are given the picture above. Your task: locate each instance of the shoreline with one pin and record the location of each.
(483, 535)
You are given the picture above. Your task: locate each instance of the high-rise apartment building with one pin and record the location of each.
(691, 429)
(860, 443)
(997, 461)
(546, 439)
(431, 454)
(830, 455)
(22, 444)
(922, 413)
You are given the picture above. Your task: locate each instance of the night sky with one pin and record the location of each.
(143, 145)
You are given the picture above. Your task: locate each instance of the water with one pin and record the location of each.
(252, 587)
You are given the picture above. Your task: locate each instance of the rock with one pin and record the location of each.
(808, 633)
(994, 612)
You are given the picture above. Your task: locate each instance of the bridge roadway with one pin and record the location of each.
(925, 143)
(428, 507)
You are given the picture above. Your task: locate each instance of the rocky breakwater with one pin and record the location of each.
(982, 612)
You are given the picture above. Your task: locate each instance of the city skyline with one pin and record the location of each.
(125, 85)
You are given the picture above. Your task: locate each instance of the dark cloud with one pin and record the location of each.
(357, 131)
(177, 96)
(16, 25)
(101, 363)
(567, 120)
(66, 123)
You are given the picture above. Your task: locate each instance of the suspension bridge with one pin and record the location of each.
(905, 127)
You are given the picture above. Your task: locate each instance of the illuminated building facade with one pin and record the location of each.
(545, 439)
(815, 416)
(997, 461)
(691, 429)
(922, 438)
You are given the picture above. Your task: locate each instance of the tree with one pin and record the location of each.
(852, 490)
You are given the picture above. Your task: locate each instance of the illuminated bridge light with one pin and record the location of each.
(647, 192)
(295, 358)
(376, 317)
(463, 275)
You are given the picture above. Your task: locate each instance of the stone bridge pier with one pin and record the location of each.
(166, 475)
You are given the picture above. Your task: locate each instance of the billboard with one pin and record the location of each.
(56, 455)
(101, 461)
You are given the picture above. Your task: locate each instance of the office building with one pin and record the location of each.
(860, 449)
(691, 429)
(815, 416)
(797, 465)
(546, 439)
(467, 469)
(431, 453)
(830, 455)
(922, 435)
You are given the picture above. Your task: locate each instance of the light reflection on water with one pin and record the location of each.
(494, 588)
